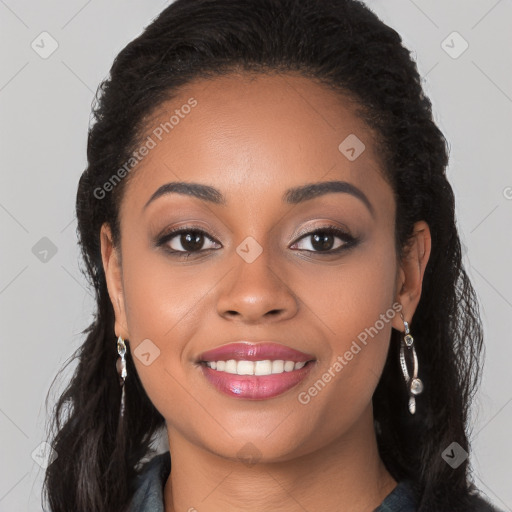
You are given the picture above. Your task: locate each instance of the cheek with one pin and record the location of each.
(356, 304)
(352, 302)
(164, 307)
(161, 294)
(349, 297)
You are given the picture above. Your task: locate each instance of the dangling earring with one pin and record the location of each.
(414, 384)
(121, 370)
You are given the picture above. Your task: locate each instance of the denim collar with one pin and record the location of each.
(149, 492)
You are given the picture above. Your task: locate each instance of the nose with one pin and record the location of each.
(256, 292)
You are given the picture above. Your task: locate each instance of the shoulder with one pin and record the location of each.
(400, 499)
(403, 499)
(149, 484)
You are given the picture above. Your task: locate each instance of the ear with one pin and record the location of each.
(410, 273)
(114, 277)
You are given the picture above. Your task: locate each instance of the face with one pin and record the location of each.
(262, 259)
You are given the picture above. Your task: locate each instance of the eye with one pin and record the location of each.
(322, 240)
(186, 240)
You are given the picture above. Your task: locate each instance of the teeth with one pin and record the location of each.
(247, 368)
(277, 366)
(289, 366)
(261, 367)
(265, 367)
(230, 366)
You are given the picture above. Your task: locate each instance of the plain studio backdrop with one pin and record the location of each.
(54, 55)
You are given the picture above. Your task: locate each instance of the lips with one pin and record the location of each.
(269, 369)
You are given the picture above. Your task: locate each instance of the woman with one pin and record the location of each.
(267, 224)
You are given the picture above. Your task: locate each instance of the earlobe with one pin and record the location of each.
(113, 276)
(412, 270)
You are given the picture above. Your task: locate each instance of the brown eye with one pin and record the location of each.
(192, 241)
(186, 240)
(324, 240)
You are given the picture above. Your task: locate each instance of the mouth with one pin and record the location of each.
(263, 367)
(255, 371)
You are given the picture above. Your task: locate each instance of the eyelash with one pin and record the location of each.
(349, 240)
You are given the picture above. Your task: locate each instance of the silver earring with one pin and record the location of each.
(121, 370)
(407, 351)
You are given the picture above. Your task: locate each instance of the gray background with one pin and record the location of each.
(45, 107)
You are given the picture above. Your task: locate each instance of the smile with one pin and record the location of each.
(265, 367)
(255, 371)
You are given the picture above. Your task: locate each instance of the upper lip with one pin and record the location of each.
(255, 351)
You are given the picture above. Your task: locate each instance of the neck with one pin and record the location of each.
(346, 474)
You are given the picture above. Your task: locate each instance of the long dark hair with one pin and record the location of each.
(342, 44)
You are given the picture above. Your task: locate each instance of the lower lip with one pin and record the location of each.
(252, 387)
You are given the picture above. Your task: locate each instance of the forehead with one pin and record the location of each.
(255, 135)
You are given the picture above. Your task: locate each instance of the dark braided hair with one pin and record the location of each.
(343, 45)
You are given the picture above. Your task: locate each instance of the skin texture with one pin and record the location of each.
(253, 137)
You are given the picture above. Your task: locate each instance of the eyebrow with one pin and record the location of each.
(310, 191)
(203, 192)
(294, 195)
